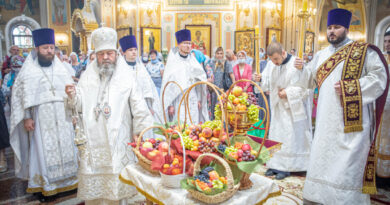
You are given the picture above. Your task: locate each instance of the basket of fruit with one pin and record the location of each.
(208, 185)
(147, 150)
(174, 170)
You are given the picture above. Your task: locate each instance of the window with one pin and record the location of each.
(22, 36)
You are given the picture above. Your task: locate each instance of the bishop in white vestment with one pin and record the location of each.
(184, 69)
(350, 77)
(42, 135)
(145, 82)
(113, 110)
(290, 120)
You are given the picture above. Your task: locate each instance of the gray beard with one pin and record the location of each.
(107, 69)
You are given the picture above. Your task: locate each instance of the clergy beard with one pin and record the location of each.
(107, 68)
(338, 40)
(45, 59)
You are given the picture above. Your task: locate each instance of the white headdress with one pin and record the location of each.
(104, 38)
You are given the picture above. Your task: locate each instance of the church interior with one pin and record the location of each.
(249, 25)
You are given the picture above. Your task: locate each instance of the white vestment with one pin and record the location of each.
(290, 120)
(186, 72)
(337, 159)
(47, 156)
(107, 150)
(148, 90)
(383, 142)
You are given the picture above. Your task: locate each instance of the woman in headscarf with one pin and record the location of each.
(155, 69)
(75, 62)
(243, 71)
(219, 66)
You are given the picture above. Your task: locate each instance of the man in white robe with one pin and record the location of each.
(184, 69)
(113, 111)
(41, 132)
(290, 121)
(383, 166)
(145, 82)
(337, 172)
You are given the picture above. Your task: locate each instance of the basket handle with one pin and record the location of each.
(229, 174)
(184, 149)
(163, 94)
(185, 100)
(145, 130)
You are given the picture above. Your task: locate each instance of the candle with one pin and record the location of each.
(304, 5)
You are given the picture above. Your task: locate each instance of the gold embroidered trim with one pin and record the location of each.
(330, 64)
(148, 196)
(52, 192)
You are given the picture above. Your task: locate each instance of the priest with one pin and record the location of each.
(183, 68)
(383, 165)
(351, 77)
(112, 111)
(291, 117)
(41, 132)
(144, 81)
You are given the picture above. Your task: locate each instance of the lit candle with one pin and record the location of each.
(304, 5)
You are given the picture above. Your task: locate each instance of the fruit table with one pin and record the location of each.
(150, 186)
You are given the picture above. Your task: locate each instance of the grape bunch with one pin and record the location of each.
(212, 124)
(188, 143)
(208, 169)
(230, 149)
(221, 147)
(155, 145)
(217, 112)
(252, 99)
(206, 147)
(253, 113)
(247, 156)
(243, 100)
(202, 177)
(231, 97)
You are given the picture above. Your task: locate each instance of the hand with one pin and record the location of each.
(298, 63)
(171, 110)
(282, 94)
(337, 87)
(199, 105)
(29, 124)
(257, 77)
(70, 90)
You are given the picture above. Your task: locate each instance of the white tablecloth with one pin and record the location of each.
(149, 185)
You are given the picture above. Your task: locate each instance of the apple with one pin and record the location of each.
(151, 140)
(147, 145)
(246, 147)
(143, 151)
(237, 91)
(163, 147)
(236, 101)
(253, 152)
(152, 155)
(194, 137)
(233, 155)
(198, 128)
(240, 153)
(239, 159)
(216, 132)
(207, 132)
(202, 139)
(166, 171)
(166, 166)
(224, 137)
(238, 145)
(245, 94)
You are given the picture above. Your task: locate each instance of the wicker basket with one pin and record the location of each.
(173, 181)
(221, 197)
(142, 160)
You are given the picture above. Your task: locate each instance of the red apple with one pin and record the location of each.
(216, 132)
(240, 153)
(151, 140)
(152, 155)
(239, 159)
(207, 132)
(176, 171)
(246, 147)
(143, 151)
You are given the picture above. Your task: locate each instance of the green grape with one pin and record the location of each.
(217, 112)
(253, 113)
(230, 149)
(231, 97)
(188, 143)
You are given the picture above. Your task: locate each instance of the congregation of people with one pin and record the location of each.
(325, 115)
